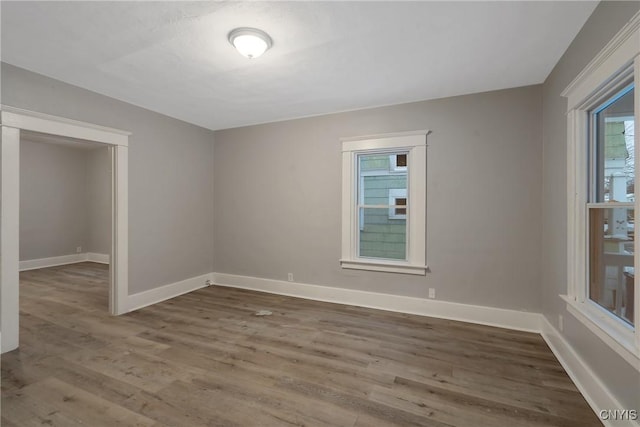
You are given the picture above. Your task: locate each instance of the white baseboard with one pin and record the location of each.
(33, 264)
(99, 258)
(595, 392)
(491, 316)
(163, 293)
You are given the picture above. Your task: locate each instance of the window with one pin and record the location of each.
(602, 289)
(384, 203)
(398, 203)
(610, 208)
(398, 162)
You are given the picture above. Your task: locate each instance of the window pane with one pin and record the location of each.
(375, 179)
(611, 256)
(380, 236)
(614, 150)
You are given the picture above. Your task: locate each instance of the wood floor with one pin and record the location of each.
(205, 359)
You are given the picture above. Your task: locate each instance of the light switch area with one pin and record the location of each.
(432, 293)
(290, 277)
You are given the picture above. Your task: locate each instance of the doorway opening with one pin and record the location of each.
(65, 223)
(16, 122)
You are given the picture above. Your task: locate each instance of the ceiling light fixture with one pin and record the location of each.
(250, 42)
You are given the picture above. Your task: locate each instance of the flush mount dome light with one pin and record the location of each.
(250, 42)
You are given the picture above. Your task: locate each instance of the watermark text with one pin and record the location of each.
(618, 414)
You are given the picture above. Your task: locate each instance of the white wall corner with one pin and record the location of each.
(163, 293)
(99, 258)
(596, 393)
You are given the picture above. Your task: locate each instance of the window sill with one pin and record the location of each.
(623, 343)
(389, 267)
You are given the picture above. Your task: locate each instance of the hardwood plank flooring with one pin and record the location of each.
(205, 359)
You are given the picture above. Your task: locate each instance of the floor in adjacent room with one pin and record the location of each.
(206, 359)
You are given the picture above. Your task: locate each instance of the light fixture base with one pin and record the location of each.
(250, 42)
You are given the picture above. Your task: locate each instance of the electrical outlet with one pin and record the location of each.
(79, 249)
(290, 277)
(560, 322)
(432, 293)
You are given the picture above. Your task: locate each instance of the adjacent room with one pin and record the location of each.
(65, 214)
(319, 213)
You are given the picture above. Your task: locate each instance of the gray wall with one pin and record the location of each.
(170, 178)
(99, 201)
(53, 200)
(65, 200)
(277, 189)
(603, 24)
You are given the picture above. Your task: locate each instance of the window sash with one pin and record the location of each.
(382, 238)
(616, 314)
(361, 207)
(595, 135)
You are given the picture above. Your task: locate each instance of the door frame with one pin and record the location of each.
(13, 121)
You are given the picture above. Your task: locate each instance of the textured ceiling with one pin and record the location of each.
(174, 57)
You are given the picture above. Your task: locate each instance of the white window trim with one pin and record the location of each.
(617, 61)
(416, 145)
(396, 193)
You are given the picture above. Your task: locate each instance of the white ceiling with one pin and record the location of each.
(174, 57)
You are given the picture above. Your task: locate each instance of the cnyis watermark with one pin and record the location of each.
(618, 414)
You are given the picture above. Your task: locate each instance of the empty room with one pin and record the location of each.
(310, 213)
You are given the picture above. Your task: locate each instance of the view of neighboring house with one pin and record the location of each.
(383, 200)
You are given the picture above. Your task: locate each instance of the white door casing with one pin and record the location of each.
(12, 121)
